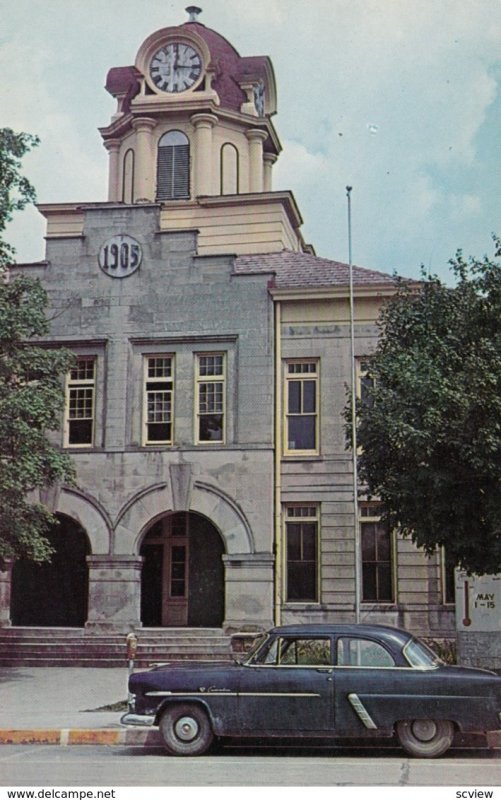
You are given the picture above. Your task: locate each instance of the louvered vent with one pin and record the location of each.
(173, 172)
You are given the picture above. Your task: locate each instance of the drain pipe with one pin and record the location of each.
(278, 465)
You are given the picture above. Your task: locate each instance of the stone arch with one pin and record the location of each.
(206, 500)
(87, 512)
(54, 593)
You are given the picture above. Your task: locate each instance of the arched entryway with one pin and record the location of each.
(54, 594)
(182, 581)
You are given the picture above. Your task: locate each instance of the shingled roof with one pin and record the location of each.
(303, 270)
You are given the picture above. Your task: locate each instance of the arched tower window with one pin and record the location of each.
(229, 169)
(128, 177)
(173, 166)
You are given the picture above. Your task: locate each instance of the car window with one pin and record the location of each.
(419, 655)
(352, 652)
(297, 651)
(314, 652)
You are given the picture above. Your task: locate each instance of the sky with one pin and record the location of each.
(399, 99)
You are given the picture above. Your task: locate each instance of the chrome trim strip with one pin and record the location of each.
(224, 693)
(361, 711)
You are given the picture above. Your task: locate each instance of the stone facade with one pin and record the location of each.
(181, 305)
(258, 525)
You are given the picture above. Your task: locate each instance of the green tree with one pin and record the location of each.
(430, 424)
(31, 393)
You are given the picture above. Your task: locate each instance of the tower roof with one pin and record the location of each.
(230, 69)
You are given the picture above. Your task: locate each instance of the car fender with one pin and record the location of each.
(467, 713)
(215, 720)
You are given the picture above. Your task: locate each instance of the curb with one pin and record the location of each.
(70, 736)
(150, 737)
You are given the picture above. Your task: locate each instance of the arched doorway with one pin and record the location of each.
(182, 580)
(54, 594)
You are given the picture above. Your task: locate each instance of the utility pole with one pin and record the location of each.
(356, 526)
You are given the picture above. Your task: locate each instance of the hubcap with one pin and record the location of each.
(424, 729)
(186, 728)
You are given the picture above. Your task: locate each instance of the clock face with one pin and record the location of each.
(175, 67)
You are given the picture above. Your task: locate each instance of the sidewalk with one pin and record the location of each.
(63, 705)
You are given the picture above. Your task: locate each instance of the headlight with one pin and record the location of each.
(131, 701)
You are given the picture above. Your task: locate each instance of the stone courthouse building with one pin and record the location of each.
(204, 409)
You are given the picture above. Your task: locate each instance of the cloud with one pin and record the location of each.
(394, 97)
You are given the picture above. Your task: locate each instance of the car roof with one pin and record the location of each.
(353, 629)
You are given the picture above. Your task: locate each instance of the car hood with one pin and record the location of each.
(175, 675)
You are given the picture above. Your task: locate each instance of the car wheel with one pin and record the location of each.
(186, 730)
(425, 738)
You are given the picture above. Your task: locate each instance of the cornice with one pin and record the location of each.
(155, 107)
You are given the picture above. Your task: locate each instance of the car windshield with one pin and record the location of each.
(250, 656)
(419, 655)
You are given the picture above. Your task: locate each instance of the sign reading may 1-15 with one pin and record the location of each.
(478, 602)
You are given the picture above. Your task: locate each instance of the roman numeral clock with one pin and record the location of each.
(175, 67)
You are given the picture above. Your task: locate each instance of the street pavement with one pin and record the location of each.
(71, 705)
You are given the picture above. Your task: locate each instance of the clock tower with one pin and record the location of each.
(193, 130)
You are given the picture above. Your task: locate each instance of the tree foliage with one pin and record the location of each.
(31, 393)
(430, 427)
(15, 189)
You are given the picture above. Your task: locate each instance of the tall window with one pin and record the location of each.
(229, 169)
(448, 569)
(158, 400)
(301, 403)
(377, 556)
(210, 397)
(173, 166)
(301, 548)
(365, 381)
(128, 177)
(80, 403)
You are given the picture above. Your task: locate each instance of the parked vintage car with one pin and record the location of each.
(319, 681)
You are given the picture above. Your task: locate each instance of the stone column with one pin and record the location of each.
(269, 160)
(5, 594)
(144, 177)
(203, 124)
(256, 137)
(114, 593)
(249, 591)
(113, 148)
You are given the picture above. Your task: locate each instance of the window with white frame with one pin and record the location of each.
(301, 554)
(448, 570)
(365, 381)
(173, 166)
(158, 399)
(301, 407)
(80, 403)
(377, 556)
(210, 397)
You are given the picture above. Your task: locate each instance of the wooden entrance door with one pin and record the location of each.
(182, 582)
(164, 601)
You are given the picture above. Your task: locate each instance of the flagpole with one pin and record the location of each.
(356, 525)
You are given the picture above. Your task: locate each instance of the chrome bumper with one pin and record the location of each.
(143, 720)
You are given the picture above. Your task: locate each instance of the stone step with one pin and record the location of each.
(101, 661)
(77, 633)
(119, 649)
(76, 647)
